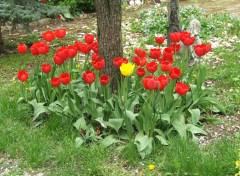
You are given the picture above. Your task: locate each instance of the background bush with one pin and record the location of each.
(77, 6)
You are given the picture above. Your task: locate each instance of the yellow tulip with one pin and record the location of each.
(127, 69)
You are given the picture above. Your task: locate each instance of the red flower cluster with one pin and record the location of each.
(155, 83)
(118, 61)
(50, 35)
(64, 78)
(202, 49)
(187, 40)
(39, 48)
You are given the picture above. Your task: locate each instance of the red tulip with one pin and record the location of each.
(155, 53)
(181, 88)
(163, 81)
(188, 41)
(48, 36)
(175, 73)
(46, 68)
(208, 48)
(139, 61)
(95, 56)
(152, 67)
(58, 60)
(98, 64)
(183, 35)
(63, 52)
(159, 40)
(88, 77)
(65, 78)
(175, 47)
(168, 53)
(44, 1)
(60, 33)
(95, 47)
(55, 82)
(104, 79)
(200, 49)
(89, 38)
(141, 72)
(118, 61)
(72, 51)
(59, 17)
(43, 49)
(166, 66)
(22, 48)
(84, 48)
(140, 53)
(39, 48)
(149, 83)
(22, 75)
(174, 37)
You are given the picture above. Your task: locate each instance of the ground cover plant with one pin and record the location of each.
(154, 21)
(53, 142)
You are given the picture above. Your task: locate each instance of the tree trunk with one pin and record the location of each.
(109, 18)
(1, 41)
(173, 18)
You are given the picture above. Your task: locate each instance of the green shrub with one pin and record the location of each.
(77, 6)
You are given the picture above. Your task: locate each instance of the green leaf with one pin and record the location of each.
(166, 117)
(195, 115)
(147, 117)
(80, 124)
(39, 109)
(180, 127)
(215, 121)
(109, 140)
(162, 140)
(115, 124)
(214, 102)
(102, 122)
(144, 144)
(68, 15)
(131, 115)
(79, 141)
(195, 130)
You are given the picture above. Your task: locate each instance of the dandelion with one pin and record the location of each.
(151, 167)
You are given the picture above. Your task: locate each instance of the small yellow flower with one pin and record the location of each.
(237, 164)
(151, 167)
(237, 174)
(127, 69)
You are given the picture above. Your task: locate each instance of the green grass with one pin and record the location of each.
(226, 76)
(52, 148)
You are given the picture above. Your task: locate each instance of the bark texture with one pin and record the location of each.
(173, 18)
(109, 19)
(1, 41)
